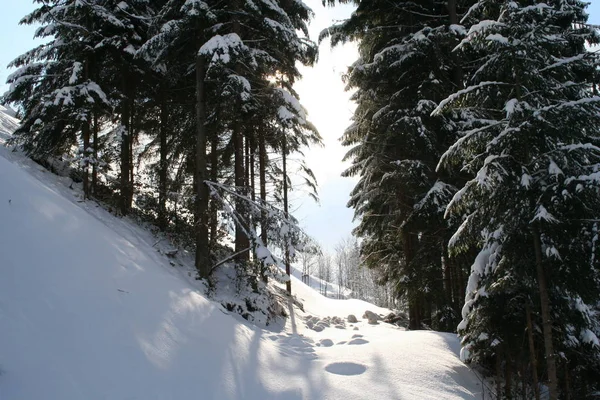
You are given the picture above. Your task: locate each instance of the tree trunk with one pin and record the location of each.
(86, 141)
(86, 162)
(163, 164)
(262, 177)
(508, 377)
(252, 171)
(567, 382)
(214, 176)
(125, 139)
(241, 239)
(414, 305)
(498, 373)
(95, 154)
(532, 354)
(202, 251)
(457, 70)
(546, 320)
(288, 284)
(447, 274)
(132, 138)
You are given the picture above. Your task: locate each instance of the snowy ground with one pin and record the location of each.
(90, 310)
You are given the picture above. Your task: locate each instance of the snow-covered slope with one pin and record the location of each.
(8, 122)
(90, 310)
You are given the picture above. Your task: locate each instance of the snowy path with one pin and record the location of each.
(89, 310)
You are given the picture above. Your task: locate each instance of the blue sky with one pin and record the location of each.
(321, 91)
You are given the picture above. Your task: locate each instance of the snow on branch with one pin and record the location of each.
(452, 98)
(282, 229)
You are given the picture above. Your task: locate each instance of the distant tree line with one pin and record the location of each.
(344, 268)
(476, 143)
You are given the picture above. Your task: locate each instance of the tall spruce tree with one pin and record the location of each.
(405, 68)
(54, 83)
(531, 143)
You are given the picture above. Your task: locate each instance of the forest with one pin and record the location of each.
(475, 142)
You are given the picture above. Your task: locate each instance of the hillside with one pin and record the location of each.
(90, 310)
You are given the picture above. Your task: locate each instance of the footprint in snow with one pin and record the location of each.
(356, 336)
(358, 341)
(345, 368)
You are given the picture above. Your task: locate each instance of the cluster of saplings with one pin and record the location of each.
(476, 143)
(180, 111)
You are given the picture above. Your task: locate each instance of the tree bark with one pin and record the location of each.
(546, 319)
(86, 141)
(132, 138)
(532, 354)
(163, 166)
(508, 377)
(262, 166)
(95, 154)
(414, 319)
(241, 240)
(457, 70)
(288, 284)
(214, 176)
(86, 163)
(202, 243)
(125, 139)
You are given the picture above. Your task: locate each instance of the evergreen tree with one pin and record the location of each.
(54, 86)
(531, 143)
(405, 68)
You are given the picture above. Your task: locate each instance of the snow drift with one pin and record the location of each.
(90, 310)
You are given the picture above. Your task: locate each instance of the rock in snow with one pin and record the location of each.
(372, 317)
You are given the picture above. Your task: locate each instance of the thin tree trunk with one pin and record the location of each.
(132, 138)
(262, 156)
(457, 70)
(247, 163)
(125, 139)
(262, 166)
(447, 274)
(546, 320)
(86, 141)
(202, 243)
(86, 163)
(532, 354)
(508, 377)
(163, 166)
(414, 305)
(241, 240)
(567, 382)
(95, 154)
(252, 169)
(288, 271)
(214, 176)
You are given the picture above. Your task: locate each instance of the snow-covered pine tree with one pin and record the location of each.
(54, 86)
(405, 68)
(124, 27)
(531, 143)
(247, 49)
(75, 81)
